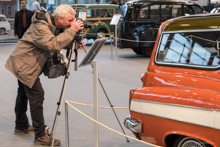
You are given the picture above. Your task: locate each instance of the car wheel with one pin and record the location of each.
(147, 51)
(184, 141)
(2, 31)
(101, 34)
(137, 50)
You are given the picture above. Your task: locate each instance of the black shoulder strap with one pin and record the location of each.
(41, 16)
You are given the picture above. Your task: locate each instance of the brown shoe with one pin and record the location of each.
(47, 139)
(29, 130)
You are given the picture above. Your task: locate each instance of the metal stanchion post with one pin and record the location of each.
(111, 50)
(116, 46)
(95, 103)
(67, 125)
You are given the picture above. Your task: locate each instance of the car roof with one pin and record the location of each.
(90, 6)
(2, 15)
(164, 1)
(194, 22)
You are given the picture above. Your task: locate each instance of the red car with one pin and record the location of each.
(179, 103)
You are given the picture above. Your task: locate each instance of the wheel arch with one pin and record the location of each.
(95, 28)
(171, 139)
(3, 28)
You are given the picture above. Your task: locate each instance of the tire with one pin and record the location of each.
(184, 141)
(100, 34)
(137, 51)
(2, 31)
(147, 51)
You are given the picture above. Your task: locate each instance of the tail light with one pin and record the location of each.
(130, 96)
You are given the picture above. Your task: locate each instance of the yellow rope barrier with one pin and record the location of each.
(109, 127)
(110, 34)
(99, 106)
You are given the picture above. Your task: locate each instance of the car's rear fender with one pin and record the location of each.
(189, 111)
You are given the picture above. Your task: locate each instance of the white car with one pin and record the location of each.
(4, 25)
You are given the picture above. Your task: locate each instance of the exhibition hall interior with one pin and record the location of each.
(101, 73)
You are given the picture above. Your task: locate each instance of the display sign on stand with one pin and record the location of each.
(114, 21)
(82, 15)
(88, 59)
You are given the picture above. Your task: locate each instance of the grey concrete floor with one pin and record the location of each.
(117, 76)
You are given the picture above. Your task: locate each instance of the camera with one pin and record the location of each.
(85, 23)
(79, 35)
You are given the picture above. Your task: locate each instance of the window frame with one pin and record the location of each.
(179, 65)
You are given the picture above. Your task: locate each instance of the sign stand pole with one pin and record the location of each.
(116, 45)
(95, 103)
(111, 50)
(114, 21)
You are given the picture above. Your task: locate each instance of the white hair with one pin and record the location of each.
(63, 10)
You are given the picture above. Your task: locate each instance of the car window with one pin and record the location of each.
(191, 48)
(166, 11)
(154, 11)
(197, 10)
(188, 10)
(93, 13)
(2, 19)
(89, 13)
(149, 12)
(170, 11)
(79, 10)
(176, 10)
(106, 12)
(214, 10)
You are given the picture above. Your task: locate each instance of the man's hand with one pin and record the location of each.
(77, 25)
(80, 45)
(16, 36)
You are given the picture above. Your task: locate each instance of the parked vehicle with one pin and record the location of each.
(141, 19)
(100, 15)
(179, 103)
(216, 8)
(4, 25)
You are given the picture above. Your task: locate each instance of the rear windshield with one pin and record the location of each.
(149, 11)
(190, 48)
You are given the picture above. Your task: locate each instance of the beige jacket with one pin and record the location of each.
(31, 52)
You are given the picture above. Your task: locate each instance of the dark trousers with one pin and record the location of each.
(22, 33)
(35, 96)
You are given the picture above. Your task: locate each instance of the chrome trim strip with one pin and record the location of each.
(174, 119)
(217, 110)
(206, 109)
(196, 30)
(188, 65)
(191, 115)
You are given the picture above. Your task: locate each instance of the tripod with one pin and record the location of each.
(64, 86)
(60, 102)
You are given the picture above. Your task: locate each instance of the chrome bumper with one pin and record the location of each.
(133, 125)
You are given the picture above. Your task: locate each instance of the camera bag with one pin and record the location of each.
(55, 65)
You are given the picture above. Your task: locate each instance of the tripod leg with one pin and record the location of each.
(59, 107)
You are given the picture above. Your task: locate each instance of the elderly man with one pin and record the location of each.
(28, 59)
